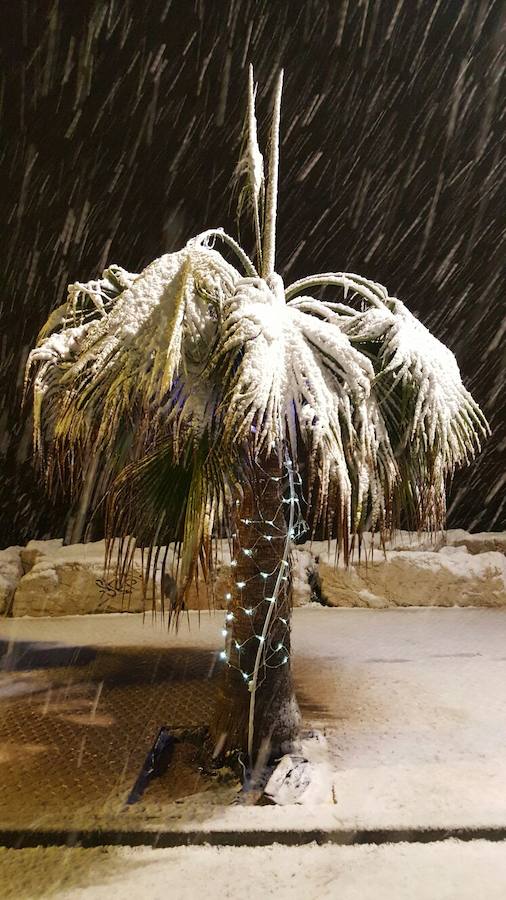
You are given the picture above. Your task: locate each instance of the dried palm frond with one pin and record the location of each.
(250, 170)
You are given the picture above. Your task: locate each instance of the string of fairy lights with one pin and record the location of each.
(272, 650)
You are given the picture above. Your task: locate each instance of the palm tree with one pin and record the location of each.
(201, 400)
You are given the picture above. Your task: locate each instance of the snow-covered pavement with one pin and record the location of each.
(413, 704)
(450, 870)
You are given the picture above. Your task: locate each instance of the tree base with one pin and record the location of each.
(276, 727)
(198, 765)
(296, 771)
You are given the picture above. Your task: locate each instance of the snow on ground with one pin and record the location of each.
(449, 870)
(413, 704)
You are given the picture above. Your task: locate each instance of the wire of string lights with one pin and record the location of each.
(272, 647)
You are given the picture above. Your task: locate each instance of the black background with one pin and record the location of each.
(121, 128)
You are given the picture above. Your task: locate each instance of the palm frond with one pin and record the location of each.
(442, 414)
(171, 507)
(433, 423)
(286, 373)
(207, 239)
(250, 170)
(130, 365)
(271, 198)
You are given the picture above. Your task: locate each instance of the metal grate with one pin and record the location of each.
(75, 738)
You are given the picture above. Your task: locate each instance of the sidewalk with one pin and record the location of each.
(413, 703)
(450, 870)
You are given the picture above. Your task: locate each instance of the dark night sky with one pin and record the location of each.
(121, 127)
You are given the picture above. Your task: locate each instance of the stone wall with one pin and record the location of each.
(448, 569)
(453, 569)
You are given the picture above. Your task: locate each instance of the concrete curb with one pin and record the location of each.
(21, 839)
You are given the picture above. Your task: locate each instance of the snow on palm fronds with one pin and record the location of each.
(191, 370)
(123, 355)
(159, 390)
(120, 407)
(285, 372)
(443, 413)
(376, 399)
(433, 424)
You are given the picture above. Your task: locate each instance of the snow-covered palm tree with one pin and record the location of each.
(188, 396)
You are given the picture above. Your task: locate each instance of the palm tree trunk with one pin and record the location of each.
(258, 545)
